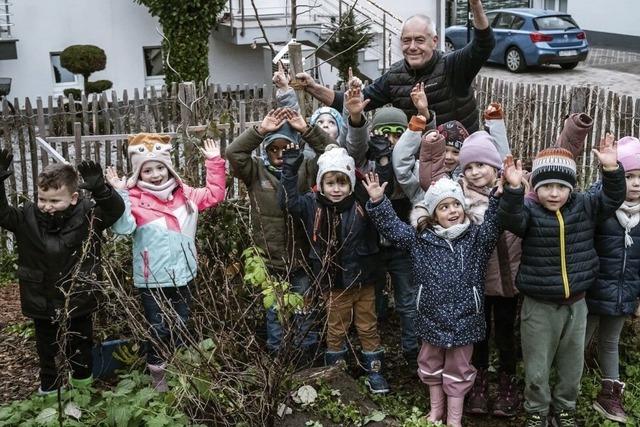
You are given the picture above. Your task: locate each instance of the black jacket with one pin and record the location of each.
(550, 238)
(51, 247)
(447, 77)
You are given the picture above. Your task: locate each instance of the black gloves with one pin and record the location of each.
(93, 177)
(6, 158)
(292, 158)
(379, 147)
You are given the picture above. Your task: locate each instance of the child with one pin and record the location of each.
(162, 214)
(449, 256)
(558, 265)
(56, 267)
(614, 296)
(283, 243)
(343, 245)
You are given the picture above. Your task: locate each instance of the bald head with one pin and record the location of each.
(419, 20)
(418, 40)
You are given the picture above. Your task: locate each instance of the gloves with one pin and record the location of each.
(6, 158)
(292, 159)
(379, 147)
(92, 176)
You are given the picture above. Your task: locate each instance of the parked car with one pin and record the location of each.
(526, 37)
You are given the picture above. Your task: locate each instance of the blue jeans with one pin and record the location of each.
(167, 311)
(306, 336)
(397, 263)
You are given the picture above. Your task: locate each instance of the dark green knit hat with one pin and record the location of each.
(389, 116)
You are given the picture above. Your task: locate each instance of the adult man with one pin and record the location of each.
(447, 78)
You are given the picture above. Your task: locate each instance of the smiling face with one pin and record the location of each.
(449, 212)
(418, 41)
(480, 174)
(153, 172)
(553, 196)
(633, 186)
(451, 156)
(328, 124)
(335, 186)
(54, 200)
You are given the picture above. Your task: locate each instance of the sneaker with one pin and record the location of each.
(564, 418)
(536, 420)
(507, 402)
(477, 402)
(609, 401)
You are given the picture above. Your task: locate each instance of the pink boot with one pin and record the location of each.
(437, 400)
(454, 411)
(158, 380)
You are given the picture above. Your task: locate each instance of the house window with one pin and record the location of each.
(61, 74)
(153, 61)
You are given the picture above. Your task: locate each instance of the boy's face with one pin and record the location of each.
(553, 196)
(153, 172)
(55, 200)
(275, 150)
(328, 124)
(633, 186)
(335, 187)
(391, 132)
(451, 155)
(480, 175)
(449, 212)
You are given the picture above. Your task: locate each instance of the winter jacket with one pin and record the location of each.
(559, 261)
(449, 275)
(164, 247)
(447, 77)
(283, 242)
(53, 252)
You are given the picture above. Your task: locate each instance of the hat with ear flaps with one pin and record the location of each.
(144, 147)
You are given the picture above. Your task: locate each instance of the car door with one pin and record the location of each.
(502, 32)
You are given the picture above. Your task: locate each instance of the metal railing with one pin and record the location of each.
(5, 19)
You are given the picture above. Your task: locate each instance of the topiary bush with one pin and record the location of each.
(84, 59)
(77, 93)
(98, 86)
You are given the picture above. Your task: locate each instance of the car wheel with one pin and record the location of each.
(448, 46)
(514, 60)
(569, 66)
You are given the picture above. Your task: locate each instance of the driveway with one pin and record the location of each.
(614, 70)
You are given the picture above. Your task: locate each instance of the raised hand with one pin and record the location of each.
(281, 78)
(304, 80)
(211, 148)
(92, 176)
(354, 103)
(272, 121)
(353, 82)
(296, 121)
(431, 137)
(115, 180)
(6, 159)
(512, 171)
(419, 99)
(372, 185)
(292, 156)
(608, 153)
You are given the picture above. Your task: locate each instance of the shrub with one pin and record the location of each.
(98, 86)
(83, 59)
(77, 93)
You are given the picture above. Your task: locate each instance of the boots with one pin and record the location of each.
(609, 401)
(477, 400)
(81, 383)
(372, 362)
(336, 358)
(158, 380)
(454, 411)
(437, 400)
(507, 402)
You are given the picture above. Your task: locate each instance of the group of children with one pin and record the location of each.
(338, 204)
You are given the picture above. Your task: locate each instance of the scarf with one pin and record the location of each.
(163, 192)
(628, 216)
(452, 232)
(477, 201)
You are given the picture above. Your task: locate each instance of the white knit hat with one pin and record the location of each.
(336, 159)
(442, 189)
(144, 147)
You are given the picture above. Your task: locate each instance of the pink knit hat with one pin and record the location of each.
(629, 153)
(480, 147)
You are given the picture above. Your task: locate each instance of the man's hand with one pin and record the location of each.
(372, 185)
(292, 157)
(480, 20)
(305, 80)
(6, 159)
(92, 176)
(419, 99)
(211, 148)
(281, 78)
(296, 121)
(272, 121)
(512, 171)
(114, 179)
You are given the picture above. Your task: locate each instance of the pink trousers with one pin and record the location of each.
(450, 367)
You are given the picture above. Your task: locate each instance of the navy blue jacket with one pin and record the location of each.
(449, 274)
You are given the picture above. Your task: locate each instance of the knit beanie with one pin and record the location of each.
(336, 159)
(629, 153)
(332, 112)
(440, 190)
(284, 132)
(454, 133)
(144, 147)
(553, 165)
(479, 147)
(389, 116)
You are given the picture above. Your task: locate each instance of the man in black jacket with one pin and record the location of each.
(447, 78)
(58, 243)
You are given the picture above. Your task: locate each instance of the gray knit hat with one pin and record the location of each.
(389, 116)
(442, 189)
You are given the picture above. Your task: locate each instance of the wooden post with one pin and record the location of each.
(77, 142)
(295, 65)
(579, 97)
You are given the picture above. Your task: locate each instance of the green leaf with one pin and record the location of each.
(48, 416)
(375, 416)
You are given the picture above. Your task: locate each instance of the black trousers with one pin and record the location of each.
(78, 344)
(499, 312)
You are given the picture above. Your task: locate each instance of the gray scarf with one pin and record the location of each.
(452, 232)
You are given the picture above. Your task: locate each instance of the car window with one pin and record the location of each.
(563, 22)
(504, 21)
(491, 16)
(518, 22)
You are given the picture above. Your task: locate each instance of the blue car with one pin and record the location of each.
(526, 37)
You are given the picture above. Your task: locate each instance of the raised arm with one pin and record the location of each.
(10, 217)
(285, 96)
(214, 191)
(495, 125)
(357, 141)
(512, 213)
(574, 133)
(109, 204)
(289, 197)
(126, 224)
(614, 185)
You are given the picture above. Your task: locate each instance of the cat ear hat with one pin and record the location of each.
(144, 147)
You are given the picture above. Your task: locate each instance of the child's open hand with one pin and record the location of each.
(211, 148)
(354, 103)
(373, 187)
(281, 78)
(296, 121)
(272, 121)
(512, 171)
(115, 180)
(419, 99)
(292, 156)
(608, 153)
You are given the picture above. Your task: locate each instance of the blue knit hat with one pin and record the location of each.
(333, 112)
(285, 132)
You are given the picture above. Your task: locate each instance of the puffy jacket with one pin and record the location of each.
(449, 275)
(447, 79)
(559, 261)
(51, 247)
(164, 249)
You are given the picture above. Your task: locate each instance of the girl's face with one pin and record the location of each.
(328, 124)
(335, 186)
(481, 175)
(451, 158)
(633, 186)
(154, 172)
(449, 212)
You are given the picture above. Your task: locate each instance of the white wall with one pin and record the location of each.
(230, 64)
(618, 16)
